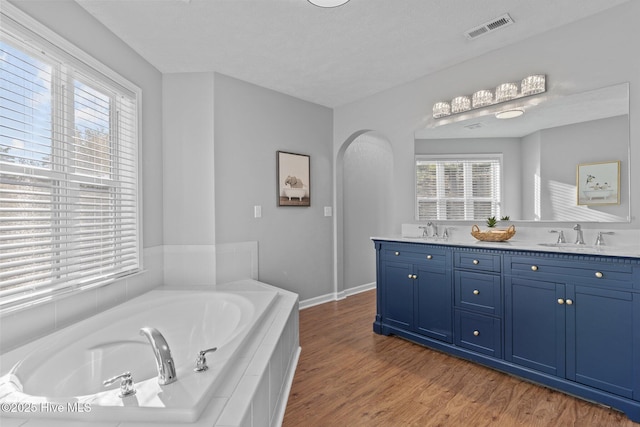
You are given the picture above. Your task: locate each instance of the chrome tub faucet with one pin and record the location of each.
(162, 352)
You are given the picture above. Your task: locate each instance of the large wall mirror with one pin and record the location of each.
(542, 149)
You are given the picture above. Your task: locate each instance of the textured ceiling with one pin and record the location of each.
(327, 56)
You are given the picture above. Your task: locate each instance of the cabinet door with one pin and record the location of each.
(600, 338)
(398, 294)
(434, 303)
(535, 324)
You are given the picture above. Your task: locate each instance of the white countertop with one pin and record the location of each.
(515, 244)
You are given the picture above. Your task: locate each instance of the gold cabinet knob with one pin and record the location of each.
(476, 292)
(599, 275)
(569, 302)
(534, 267)
(414, 276)
(476, 262)
(560, 301)
(397, 253)
(411, 276)
(429, 257)
(476, 333)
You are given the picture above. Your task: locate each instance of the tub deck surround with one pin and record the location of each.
(254, 326)
(560, 317)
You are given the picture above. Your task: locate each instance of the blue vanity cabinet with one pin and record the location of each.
(415, 294)
(574, 318)
(568, 321)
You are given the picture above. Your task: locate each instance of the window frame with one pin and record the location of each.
(466, 157)
(45, 44)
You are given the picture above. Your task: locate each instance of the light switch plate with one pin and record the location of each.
(257, 211)
(327, 211)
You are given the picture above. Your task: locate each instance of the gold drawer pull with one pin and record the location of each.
(476, 333)
(599, 275)
(569, 302)
(476, 262)
(414, 276)
(429, 257)
(397, 253)
(476, 292)
(560, 301)
(534, 267)
(410, 276)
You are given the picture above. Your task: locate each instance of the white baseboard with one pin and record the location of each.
(336, 296)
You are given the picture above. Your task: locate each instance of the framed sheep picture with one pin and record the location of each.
(293, 173)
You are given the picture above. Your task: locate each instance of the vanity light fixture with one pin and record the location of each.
(460, 104)
(327, 3)
(505, 92)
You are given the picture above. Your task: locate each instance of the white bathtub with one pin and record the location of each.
(65, 370)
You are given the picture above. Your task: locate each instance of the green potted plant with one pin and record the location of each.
(492, 222)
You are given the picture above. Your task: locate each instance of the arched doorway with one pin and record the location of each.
(364, 185)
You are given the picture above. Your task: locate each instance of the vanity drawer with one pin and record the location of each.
(414, 253)
(478, 292)
(477, 261)
(478, 333)
(591, 272)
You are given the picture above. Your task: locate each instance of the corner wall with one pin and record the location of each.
(251, 124)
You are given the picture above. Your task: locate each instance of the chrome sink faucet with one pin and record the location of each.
(162, 352)
(579, 236)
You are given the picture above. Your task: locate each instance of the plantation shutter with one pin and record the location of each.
(457, 188)
(68, 172)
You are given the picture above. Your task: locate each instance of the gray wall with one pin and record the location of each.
(594, 141)
(72, 22)
(295, 243)
(592, 53)
(530, 161)
(188, 154)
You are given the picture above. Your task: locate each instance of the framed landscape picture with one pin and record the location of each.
(293, 175)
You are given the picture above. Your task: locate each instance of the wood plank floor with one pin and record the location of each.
(349, 376)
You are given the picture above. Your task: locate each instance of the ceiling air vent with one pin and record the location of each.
(487, 27)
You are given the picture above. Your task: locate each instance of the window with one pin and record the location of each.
(458, 187)
(69, 215)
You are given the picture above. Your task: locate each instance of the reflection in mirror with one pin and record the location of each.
(542, 149)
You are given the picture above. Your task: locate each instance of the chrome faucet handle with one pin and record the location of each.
(201, 361)
(445, 234)
(579, 236)
(561, 238)
(600, 238)
(126, 384)
(424, 231)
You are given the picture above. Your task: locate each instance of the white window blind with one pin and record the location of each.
(68, 171)
(463, 188)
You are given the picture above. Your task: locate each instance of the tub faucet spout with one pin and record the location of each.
(162, 352)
